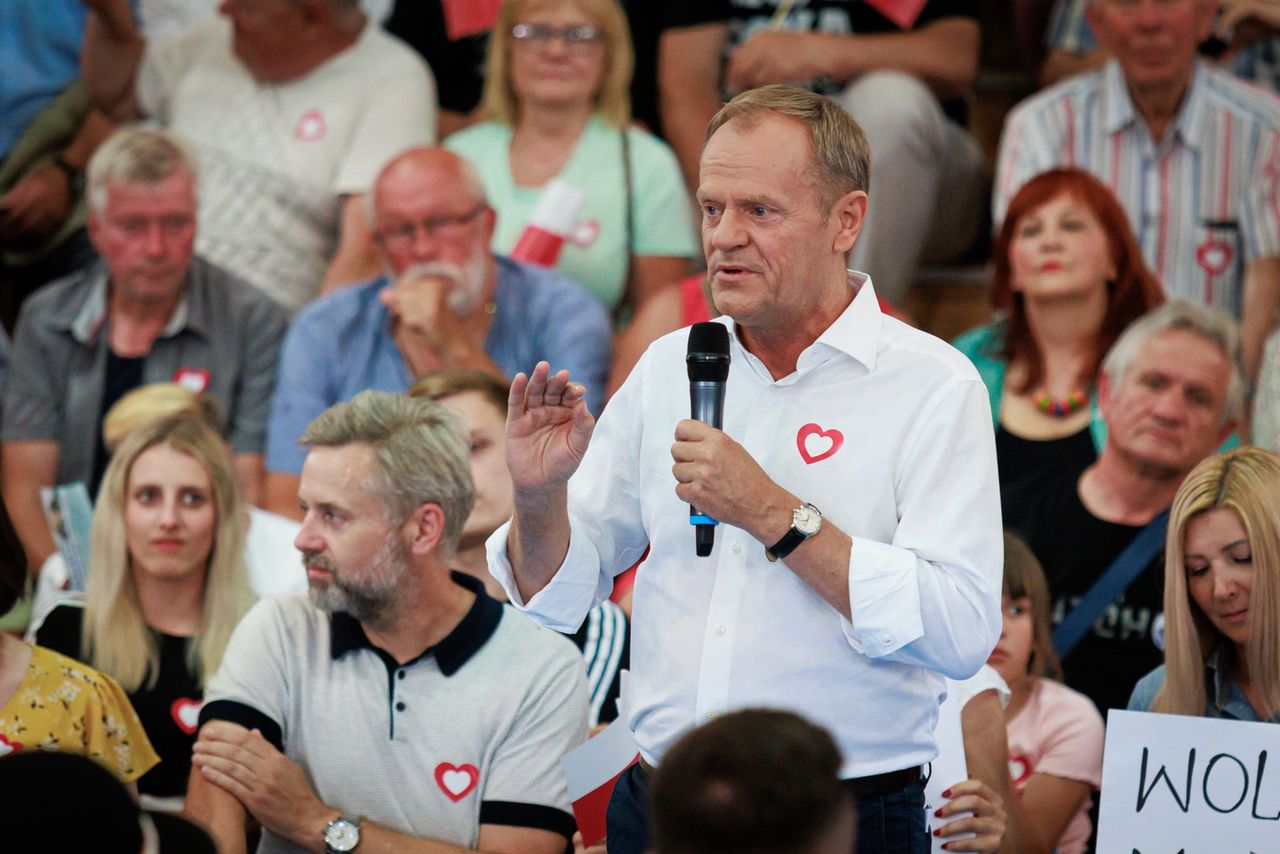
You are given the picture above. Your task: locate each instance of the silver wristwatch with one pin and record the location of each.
(341, 835)
(806, 520)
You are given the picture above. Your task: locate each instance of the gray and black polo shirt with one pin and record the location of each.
(470, 732)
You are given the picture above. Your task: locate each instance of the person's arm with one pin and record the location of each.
(245, 768)
(428, 333)
(986, 754)
(943, 54)
(25, 467)
(281, 494)
(1044, 808)
(662, 313)
(1258, 316)
(249, 471)
(113, 47)
(689, 89)
(355, 259)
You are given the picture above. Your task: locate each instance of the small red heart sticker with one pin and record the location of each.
(457, 781)
(186, 714)
(7, 746)
(1019, 769)
(816, 444)
(1214, 256)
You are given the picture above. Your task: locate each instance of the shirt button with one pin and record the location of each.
(708, 716)
(886, 640)
(400, 674)
(720, 630)
(737, 548)
(400, 707)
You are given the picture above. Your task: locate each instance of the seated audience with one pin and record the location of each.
(1170, 392)
(167, 584)
(50, 702)
(1055, 734)
(149, 311)
(293, 106)
(42, 789)
(1222, 642)
(902, 72)
(1189, 151)
(480, 400)
(400, 703)
(1069, 277)
(557, 108)
(445, 301)
(755, 781)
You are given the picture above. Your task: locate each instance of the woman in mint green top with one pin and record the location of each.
(556, 98)
(1069, 277)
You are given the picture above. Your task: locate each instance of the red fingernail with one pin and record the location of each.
(946, 793)
(938, 812)
(938, 832)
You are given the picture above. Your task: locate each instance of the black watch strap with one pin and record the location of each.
(786, 545)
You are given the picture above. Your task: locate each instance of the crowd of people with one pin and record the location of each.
(404, 286)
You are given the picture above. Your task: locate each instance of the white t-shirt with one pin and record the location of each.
(275, 159)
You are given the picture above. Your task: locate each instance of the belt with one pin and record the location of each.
(862, 788)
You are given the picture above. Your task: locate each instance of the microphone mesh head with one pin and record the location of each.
(708, 357)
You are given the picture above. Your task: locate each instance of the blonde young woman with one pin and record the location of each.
(167, 583)
(557, 106)
(1222, 594)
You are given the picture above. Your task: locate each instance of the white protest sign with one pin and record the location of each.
(1173, 784)
(946, 770)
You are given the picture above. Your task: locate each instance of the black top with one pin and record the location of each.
(1018, 458)
(124, 374)
(1076, 548)
(168, 711)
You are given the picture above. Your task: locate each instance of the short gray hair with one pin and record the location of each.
(420, 451)
(839, 149)
(1208, 322)
(136, 155)
(470, 176)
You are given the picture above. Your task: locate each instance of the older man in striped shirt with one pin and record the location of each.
(1192, 153)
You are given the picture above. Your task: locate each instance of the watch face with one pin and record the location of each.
(342, 835)
(807, 520)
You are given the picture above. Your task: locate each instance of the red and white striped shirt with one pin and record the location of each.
(1203, 202)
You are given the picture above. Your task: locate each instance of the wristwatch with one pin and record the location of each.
(341, 835)
(806, 520)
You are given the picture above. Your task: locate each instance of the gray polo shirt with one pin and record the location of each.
(221, 326)
(470, 732)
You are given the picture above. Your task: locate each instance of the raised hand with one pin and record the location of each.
(987, 822)
(548, 429)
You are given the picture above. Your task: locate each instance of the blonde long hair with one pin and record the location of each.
(613, 101)
(116, 638)
(1246, 480)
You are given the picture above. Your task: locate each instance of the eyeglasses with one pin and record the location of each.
(579, 39)
(438, 227)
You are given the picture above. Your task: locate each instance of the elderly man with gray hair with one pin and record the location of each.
(400, 709)
(148, 311)
(1171, 393)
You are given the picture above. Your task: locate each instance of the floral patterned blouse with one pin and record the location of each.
(63, 705)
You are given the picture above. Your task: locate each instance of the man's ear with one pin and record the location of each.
(850, 212)
(424, 528)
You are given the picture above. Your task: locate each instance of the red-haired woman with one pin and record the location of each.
(1069, 276)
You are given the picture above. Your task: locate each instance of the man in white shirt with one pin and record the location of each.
(828, 403)
(293, 106)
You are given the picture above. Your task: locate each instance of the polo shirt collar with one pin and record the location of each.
(452, 652)
(856, 332)
(1119, 112)
(92, 314)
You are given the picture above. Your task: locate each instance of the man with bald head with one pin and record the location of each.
(444, 300)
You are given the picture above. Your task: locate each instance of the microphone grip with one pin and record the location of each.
(706, 403)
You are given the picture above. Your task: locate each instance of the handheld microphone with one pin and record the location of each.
(708, 362)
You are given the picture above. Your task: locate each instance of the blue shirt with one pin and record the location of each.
(1225, 699)
(342, 344)
(39, 55)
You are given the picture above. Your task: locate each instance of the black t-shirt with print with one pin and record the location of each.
(1076, 548)
(168, 711)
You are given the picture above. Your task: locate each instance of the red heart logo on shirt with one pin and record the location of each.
(457, 781)
(1019, 769)
(186, 714)
(1214, 256)
(7, 746)
(816, 444)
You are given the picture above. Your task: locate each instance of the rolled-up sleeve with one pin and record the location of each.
(931, 597)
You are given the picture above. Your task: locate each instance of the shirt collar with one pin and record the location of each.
(88, 320)
(856, 332)
(1119, 112)
(456, 649)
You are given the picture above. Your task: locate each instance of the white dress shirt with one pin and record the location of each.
(913, 482)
